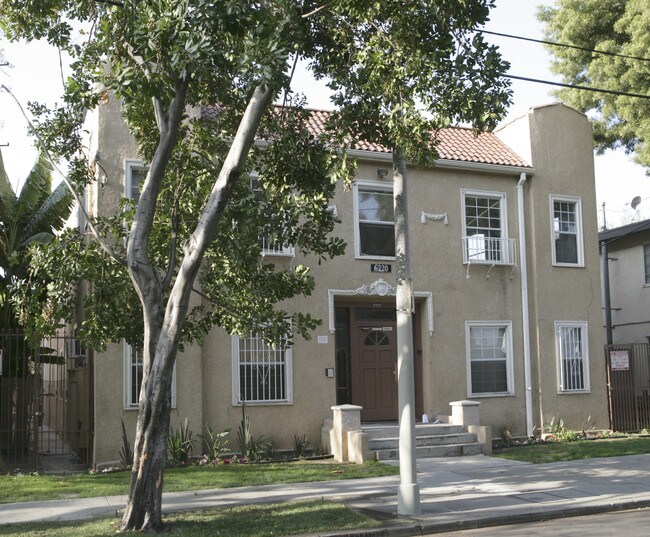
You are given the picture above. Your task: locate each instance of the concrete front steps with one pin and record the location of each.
(432, 440)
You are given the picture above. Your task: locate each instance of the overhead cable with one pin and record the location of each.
(566, 45)
(576, 86)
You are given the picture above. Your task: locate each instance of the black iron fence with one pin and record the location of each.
(45, 404)
(628, 381)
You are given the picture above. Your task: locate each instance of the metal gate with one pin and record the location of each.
(45, 404)
(628, 382)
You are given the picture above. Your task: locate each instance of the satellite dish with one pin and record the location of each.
(636, 201)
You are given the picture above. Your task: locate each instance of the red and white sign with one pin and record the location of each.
(620, 360)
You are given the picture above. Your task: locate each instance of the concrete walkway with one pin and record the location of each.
(456, 493)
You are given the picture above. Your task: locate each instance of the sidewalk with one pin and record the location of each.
(456, 493)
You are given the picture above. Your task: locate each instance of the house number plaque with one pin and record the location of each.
(380, 267)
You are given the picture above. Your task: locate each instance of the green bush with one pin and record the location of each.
(181, 443)
(557, 431)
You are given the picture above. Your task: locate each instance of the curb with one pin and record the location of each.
(426, 528)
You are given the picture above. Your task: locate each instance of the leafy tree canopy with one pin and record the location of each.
(616, 26)
(400, 71)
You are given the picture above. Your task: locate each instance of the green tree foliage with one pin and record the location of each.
(400, 70)
(616, 26)
(32, 217)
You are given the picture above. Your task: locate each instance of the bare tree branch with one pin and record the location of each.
(314, 11)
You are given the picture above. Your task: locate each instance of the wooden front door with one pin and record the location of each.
(374, 377)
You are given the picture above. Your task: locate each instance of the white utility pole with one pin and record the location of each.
(408, 496)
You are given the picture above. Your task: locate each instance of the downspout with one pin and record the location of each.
(604, 255)
(525, 314)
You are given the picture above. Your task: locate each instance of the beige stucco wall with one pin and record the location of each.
(116, 146)
(562, 157)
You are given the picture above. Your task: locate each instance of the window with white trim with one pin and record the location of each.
(262, 372)
(646, 264)
(485, 236)
(374, 220)
(489, 358)
(270, 246)
(134, 174)
(566, 218)
(133, 367)
(572, 356)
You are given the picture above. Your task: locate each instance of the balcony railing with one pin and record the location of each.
(271, 248)
(481, 250)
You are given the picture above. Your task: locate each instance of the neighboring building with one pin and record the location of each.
(628, 250)
(506, 277)
(625, 258)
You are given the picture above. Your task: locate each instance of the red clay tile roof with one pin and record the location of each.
(454, 143)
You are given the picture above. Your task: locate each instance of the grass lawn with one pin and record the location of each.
(23, 488)
(580, 449)
(248, 521)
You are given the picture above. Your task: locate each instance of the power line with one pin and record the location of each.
(575, 86)
(566, 45)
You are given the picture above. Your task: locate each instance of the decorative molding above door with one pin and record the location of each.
(378, 288)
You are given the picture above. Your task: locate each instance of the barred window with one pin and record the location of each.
(572, 356)
(134, 376)
(261, 372)
(133, 367)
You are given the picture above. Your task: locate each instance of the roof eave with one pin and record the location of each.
(501, 169)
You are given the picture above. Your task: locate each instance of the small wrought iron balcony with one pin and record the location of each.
(481, 250)
(271, 248)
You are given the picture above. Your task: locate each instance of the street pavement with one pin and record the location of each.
(456, 493)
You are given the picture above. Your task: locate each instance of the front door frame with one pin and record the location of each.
(378, 289)
(353, 357)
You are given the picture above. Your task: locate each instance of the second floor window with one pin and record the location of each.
(134, 174)
(646, 263)
(484, 226)
(567, 231)
(270, 246)
(375, 220)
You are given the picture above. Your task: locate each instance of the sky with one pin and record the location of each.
(36, 76)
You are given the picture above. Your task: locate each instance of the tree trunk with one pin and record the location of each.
(144, 508)
(164, 322)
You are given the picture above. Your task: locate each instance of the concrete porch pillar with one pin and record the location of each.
(346, 418)
(465, 413)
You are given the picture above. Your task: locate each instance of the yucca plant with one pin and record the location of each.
(181, 443)
(126, 453)
(214, 443)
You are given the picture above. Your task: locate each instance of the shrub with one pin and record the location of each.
(181, 443)
(300, 445)
(126, 453)
(557, 431)
(251, 448)
(215, 443)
